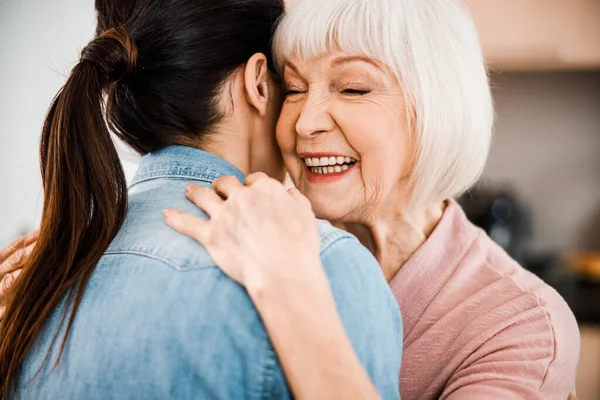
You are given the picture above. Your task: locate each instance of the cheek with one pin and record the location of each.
(285, 131)
(383, 147)
(286, 138)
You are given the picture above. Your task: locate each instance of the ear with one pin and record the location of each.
(256, 80)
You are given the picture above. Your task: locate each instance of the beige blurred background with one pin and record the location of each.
(544, 58)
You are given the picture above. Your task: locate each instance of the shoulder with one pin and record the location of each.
(346, 260)
(491, 319)
(526, 313)
(146, 235)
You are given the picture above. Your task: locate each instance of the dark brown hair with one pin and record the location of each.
(114, 13)
(160, 74)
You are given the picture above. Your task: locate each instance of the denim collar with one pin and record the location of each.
(182, 162)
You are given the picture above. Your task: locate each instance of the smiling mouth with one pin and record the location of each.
(329, 165)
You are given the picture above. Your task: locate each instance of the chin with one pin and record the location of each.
(327, 210)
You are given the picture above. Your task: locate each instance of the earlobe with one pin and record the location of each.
(257, 83)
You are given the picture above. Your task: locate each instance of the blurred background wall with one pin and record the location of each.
(547, 151)
(40, 41)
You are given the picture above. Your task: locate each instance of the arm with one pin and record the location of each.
(344, 325)
(247, 240)
(309, 338)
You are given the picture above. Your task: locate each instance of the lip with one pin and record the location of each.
(327, 178)
(319, 155)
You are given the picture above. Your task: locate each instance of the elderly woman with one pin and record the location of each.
(387, 119)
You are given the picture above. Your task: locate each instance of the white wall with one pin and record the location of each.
(40, 40)
(547, 148)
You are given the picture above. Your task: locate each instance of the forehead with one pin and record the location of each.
(333, 59)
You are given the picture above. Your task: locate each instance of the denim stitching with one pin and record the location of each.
(162, 260)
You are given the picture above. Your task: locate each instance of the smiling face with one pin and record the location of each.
(344, 134)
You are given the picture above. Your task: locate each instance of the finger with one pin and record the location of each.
(16, 260)
(255, 177)
(205, 198)
(265, 184)
(18, 244)
(8, 281)
(299, 197)
(227, 186)
(188, 224)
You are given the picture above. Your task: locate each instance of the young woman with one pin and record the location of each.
(111, 302)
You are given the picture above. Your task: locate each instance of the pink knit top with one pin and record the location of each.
(479, 326)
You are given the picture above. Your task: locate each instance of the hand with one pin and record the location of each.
(261, 231)
(12, 259)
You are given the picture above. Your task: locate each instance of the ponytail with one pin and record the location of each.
(85, 201)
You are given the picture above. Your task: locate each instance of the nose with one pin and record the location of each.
(315, 118)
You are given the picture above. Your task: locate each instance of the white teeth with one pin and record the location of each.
(330, 169)
(328, 161)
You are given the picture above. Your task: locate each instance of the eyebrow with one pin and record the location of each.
(340, 60)
(347, 59)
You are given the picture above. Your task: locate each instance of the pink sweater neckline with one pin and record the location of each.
(428, 270)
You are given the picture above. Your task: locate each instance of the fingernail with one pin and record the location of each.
(166, 213)
(188, 189)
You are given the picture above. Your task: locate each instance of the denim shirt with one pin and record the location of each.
(159, 320)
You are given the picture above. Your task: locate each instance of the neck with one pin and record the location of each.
(393, 234)
(232, 145)
(230, 140)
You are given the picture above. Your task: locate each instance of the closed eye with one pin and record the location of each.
(355, 92)
(292, 93)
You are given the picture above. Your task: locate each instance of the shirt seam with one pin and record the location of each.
(328, 242)
(553, 334)
(546, 314)
(173, 265)
(171, 177)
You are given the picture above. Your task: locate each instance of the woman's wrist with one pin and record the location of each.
(284, 282)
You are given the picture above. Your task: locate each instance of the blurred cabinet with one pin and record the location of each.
(525, 35)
